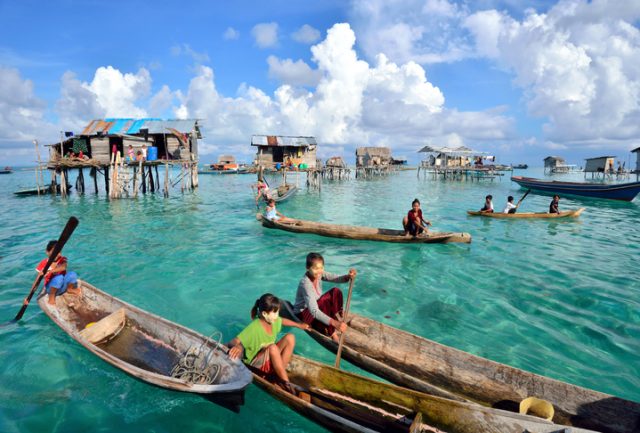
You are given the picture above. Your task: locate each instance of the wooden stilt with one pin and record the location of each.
(143, 178)
(157, 178)
(94, 173)
(152, 184)
(106, 180)
(166, 178)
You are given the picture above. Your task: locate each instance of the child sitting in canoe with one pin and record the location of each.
(510, 207)
(257, 345)
(263, 191)
(488, 204)
(414, 224)
(322, 311)
(58, 280)
(553, 207)
(272, 214)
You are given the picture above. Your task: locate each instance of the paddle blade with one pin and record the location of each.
(62, 240)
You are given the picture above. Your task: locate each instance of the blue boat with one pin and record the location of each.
(615, 191)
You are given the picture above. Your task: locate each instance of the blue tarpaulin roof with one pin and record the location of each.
(133, 126)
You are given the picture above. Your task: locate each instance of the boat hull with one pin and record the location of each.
(621, 191)
(424, 365)
(347, 402)
(148, 347)
(363, 233)
(524, 215)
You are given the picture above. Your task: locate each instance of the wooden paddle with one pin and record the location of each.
(64, 237)
(344, 318)
(523, 197)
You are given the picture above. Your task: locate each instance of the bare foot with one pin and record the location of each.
(335, 337)
(52, 302)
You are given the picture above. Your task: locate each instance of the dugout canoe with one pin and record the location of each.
(147, 346)
(424, 365)
(612, 191)
(564, 214)
(347, 402)
(283, 192)
(363, 233)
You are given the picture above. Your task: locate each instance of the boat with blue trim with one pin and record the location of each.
(612, 191)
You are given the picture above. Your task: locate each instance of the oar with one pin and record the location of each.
(346, 312)
(64, 237)
(523, 197)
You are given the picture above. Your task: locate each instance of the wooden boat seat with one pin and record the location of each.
(106, 328)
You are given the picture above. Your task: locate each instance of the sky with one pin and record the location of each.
(518, 79)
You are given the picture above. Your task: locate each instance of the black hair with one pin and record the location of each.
(490, 197)
(510, 198)
(314, 257)
(265, 304)
(271, 200)
(556, 195)
(415, 200)
(51, 245)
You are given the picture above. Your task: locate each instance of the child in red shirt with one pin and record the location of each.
(58, 280)
(414, 224)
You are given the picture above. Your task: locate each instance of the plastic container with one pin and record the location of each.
(152, 153)
(278, 166)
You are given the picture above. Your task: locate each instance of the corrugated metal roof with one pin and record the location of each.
(282, 140)
(133, 126)
(461, 150)
(599, 157)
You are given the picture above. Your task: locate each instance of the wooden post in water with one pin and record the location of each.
(106, 179)
(157, 178)
(63, 184)
(166, 178)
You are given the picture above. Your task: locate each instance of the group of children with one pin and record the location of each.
(258, 343)
(512, 208)
(140, 155)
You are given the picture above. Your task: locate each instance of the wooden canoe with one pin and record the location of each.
(144, 345)
(363, 233)
(347, 402)
(424, 365)
(283, 192)
(564, 214)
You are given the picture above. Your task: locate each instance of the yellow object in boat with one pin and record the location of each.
(537, 407)
(89, 325)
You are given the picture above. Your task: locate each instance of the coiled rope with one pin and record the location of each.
(195, 367)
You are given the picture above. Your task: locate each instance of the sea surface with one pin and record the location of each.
(557, 297)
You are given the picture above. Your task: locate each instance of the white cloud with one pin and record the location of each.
(306, 34)
(578, 65)
(21, 112)
(411, 30)
(161, 101)
(296, 73)
(231, 34)
(354, 103)
(265, 34)
(110, 94)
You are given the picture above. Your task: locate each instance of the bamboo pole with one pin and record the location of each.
(344, 318)
(166, 178)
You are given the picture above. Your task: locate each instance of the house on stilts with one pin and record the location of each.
(126, 153)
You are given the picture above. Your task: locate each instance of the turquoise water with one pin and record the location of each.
(560, 298)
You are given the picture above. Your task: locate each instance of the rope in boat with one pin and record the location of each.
(195, 367)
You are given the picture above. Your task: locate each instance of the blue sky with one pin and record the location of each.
(521, 79)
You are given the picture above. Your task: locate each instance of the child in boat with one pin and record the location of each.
(257, 345)
(322, 311)
(272, 214)
(263, 191)
(488, 204)
(414, 224)
(58, 280)
(553, 207)
(510, 207)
